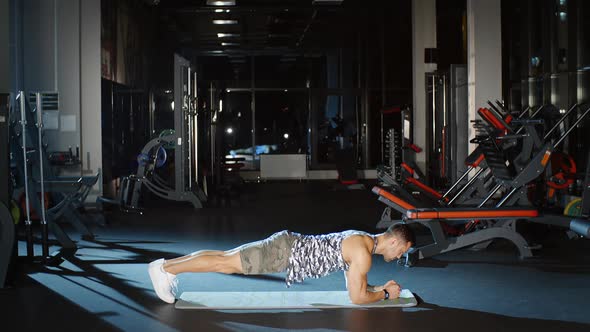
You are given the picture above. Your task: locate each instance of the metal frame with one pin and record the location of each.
(181, 108)
(187, 187)
(458, 128)
(505, 229)
(69, 192)
(586, 191)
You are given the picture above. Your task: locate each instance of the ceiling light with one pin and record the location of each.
(225, 21)
(221, 2)
(326, 2)
(219, 10)
(230, 44)
(227, 35)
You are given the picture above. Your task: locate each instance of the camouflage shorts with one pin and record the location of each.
(270, 255)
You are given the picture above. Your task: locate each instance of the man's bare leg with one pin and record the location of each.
(206, 261)
(196, 253)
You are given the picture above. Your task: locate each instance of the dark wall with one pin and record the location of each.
(130, 47)
(451, 33)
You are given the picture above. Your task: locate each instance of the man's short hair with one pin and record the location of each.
(402, 231)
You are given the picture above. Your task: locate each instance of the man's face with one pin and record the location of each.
(396, 249)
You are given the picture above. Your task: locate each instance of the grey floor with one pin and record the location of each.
(104, 285)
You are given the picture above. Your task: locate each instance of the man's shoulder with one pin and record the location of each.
(357, 236)
(356, 245)
(355, 252)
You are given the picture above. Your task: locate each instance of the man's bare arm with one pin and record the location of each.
(356, 280)
(372, 288)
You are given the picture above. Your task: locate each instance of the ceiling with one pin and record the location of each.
(262, 26)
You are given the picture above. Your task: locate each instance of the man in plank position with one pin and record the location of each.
(301, 256)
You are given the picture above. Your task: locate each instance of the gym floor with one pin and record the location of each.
(104, 285)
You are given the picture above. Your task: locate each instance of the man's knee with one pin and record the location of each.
(231, 264)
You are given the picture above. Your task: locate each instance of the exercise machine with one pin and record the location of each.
(497, 214)
(408, 182)
(37, 183)
(523, 134)
(189, 180)
(447, 126)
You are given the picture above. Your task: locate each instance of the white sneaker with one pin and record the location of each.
(164, 283)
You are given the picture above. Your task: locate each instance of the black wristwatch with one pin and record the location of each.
(386, 294)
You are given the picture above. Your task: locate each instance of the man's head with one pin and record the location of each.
(399, 237)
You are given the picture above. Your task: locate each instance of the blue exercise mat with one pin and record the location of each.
(283, 300)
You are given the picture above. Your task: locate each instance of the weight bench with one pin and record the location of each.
(499, 223)
(510, 175)
(470, 213)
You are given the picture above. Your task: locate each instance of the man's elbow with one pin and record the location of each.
(359, 299)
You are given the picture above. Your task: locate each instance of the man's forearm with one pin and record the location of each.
(372, 296)
(369, 296)
(372, 288)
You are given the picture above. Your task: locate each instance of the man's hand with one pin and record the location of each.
(393, 288)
